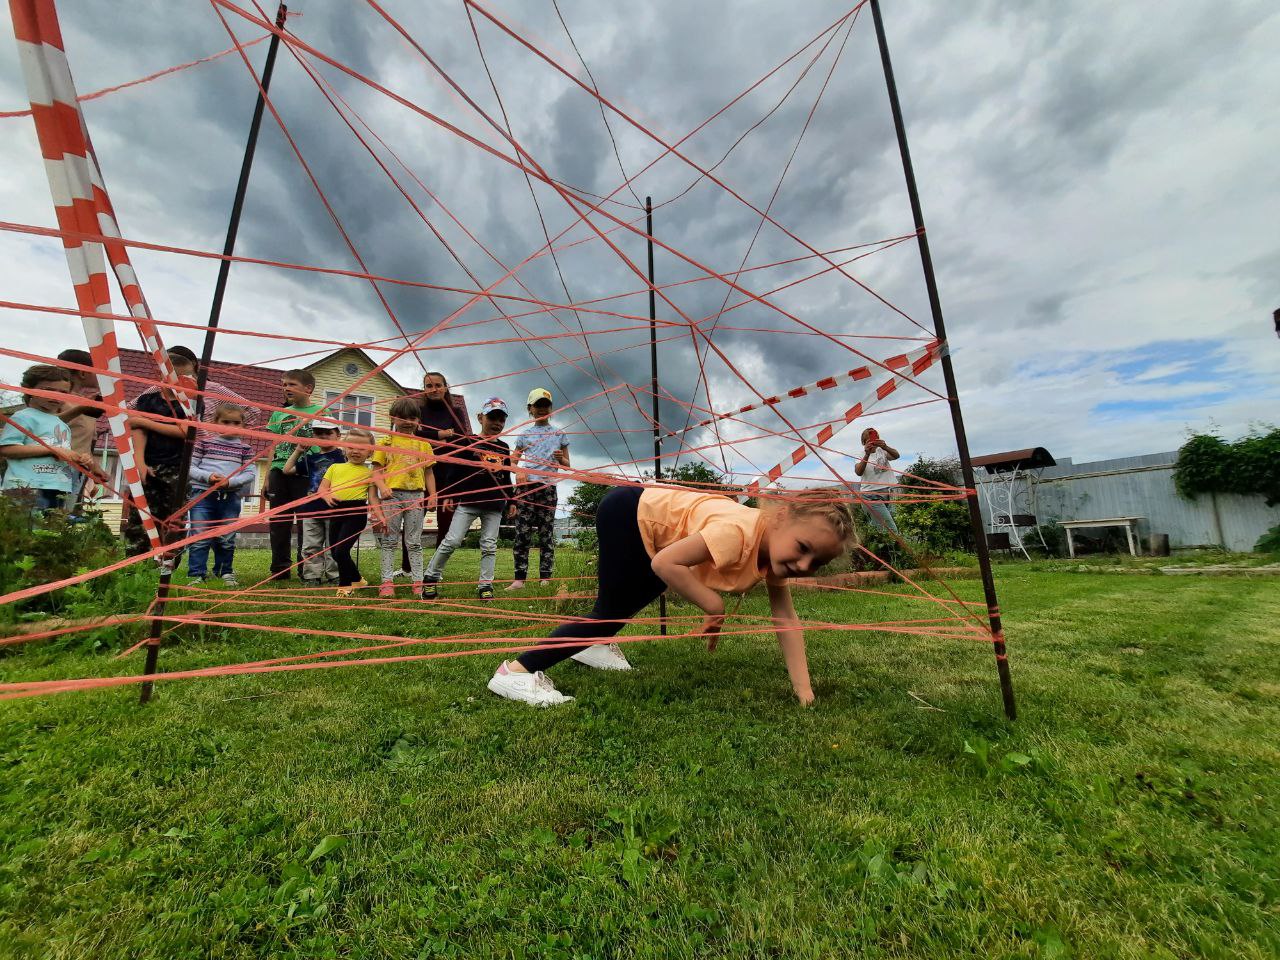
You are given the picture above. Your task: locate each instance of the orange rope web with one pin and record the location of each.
(572, 303)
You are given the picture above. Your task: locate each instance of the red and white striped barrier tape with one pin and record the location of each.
(826, 383)
(918, 361)
(81, 204)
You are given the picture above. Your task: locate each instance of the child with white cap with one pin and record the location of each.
(480, 488)
(545, 449)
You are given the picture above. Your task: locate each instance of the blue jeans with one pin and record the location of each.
(463, 517)
(42, 499)
(878, 509)
(211, 512)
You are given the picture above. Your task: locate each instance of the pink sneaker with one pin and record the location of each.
(387, 591)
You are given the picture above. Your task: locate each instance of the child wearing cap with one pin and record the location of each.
(481, 489)
(545, 449)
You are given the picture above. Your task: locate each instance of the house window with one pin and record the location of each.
(354, 408)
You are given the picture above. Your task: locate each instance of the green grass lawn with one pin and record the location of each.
(688, 809)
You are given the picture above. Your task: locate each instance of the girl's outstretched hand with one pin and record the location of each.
(805, 698)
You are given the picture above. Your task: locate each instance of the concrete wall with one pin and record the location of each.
(1143, 487)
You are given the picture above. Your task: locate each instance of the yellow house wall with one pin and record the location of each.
(330, 376)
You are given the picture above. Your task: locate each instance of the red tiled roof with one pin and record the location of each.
(260, 385)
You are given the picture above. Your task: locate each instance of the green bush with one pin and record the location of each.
(38, 548)
(1250, 465)
(1055, 539)
(937, 525)
(878, 541)
(1269, 542)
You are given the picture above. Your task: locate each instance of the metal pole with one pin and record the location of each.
(206, 355)
(957, 418)
(653, 368)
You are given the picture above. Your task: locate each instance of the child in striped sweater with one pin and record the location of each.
(222, 465)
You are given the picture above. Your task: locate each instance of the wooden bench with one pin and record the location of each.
(1129, 523)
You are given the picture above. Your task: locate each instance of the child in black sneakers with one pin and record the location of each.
(480, 488)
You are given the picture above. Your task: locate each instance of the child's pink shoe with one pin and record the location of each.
(387, 591)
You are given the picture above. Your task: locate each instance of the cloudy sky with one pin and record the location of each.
(1099, 182)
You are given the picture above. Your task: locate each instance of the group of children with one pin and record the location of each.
(652, 539)
(335, 484)
(329, 483)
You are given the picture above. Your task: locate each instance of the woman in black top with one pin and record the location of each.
(443, 422)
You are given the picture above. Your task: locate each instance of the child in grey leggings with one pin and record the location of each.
(403, 475)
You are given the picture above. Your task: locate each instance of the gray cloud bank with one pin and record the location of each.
(1099, 185)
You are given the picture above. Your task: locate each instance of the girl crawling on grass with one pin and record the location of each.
(697, 544)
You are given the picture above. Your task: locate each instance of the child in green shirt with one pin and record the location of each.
(284, 488)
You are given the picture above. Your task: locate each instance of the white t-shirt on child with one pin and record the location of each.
(877, 477)
(538, 444)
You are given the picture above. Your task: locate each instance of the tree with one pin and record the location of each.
(693, 474)
(586, 501)
(1250, 465)
(586, 498)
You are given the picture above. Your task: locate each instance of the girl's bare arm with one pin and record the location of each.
(791, 640)
(675, 563)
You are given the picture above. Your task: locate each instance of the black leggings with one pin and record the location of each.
(627, 581)
(348, 520)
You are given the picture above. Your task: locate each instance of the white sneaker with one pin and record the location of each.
(544, 583)
(602, 656)
(401, 575)
(230, 580)
(533, 688)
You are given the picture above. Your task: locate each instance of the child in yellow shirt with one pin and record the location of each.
(349, 491)
(402, 476)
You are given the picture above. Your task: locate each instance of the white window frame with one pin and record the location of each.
(355, 409)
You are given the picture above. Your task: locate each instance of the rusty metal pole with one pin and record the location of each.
(957, 418)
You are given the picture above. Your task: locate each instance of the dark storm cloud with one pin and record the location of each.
(1010, 107)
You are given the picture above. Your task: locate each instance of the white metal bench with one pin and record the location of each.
(1129, 523)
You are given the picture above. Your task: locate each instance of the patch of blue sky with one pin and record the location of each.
(1169, 364)
(1176, 408)
(1171, 361)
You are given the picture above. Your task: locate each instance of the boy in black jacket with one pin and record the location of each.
(481, 488)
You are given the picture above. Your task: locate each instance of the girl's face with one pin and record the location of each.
(797, 546)
(434, 387)
(230, 419)
(358, 454)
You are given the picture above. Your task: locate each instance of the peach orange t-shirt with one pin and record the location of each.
(732, 533)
